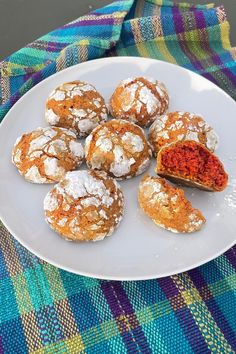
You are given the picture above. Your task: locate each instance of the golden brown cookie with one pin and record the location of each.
(76, 105)
(192, 164)
(118, 147)
(46, 154)
(167, 206)
(176, 126)
(139, 100)
(84, 206)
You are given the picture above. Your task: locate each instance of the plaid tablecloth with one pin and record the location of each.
(47, 310)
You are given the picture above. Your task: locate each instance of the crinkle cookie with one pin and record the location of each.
(76, 105)
(84, 206)
(139, 100)
(192, 164)
(46, 154)
(177, 126)
(118, 147)
(168, 207)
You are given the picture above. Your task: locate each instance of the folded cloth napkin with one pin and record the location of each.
(47, 310)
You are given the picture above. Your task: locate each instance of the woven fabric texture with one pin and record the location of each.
(47, 310)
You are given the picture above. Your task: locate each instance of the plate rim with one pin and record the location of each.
(90, 274)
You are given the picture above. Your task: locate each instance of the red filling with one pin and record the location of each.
(190, 160)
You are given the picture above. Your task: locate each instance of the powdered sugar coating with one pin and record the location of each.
(176, 126)
(140, 100)
(51, 117)
(135, 142)
(46, 154)
(121, 164)
(168, 207)
(118, 147)
(212, 139)
(84, 206)
(34, 175)
(76, 105)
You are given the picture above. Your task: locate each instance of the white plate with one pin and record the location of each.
(138, 249)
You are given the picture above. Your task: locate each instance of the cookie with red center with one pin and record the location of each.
(192, 164)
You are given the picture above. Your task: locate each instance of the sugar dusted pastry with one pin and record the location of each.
(167, 206)
(177, 126)
(76, 105)
(139, 100)
(46, 154)
(84, 206)
(191, 163)
(118, 147)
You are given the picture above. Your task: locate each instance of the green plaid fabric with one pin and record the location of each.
(47, 310)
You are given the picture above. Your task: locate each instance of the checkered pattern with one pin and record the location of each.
(47, 310)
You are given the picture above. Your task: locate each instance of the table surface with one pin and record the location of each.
(30, 19)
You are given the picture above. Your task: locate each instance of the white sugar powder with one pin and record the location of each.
(79, 112)
(51, 167)
(76, 148)
(58, 95)
(50, 202)
(86, 125)
(135, 142)
(147, 97)
(51, 117)
(121, 165)
(34, 175)
(104, 144)
(212, 140)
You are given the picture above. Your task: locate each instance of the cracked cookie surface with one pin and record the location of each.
(118, 147)
(139, 100)
(76, 105)
(84, 206)
(177, 126)
(46, 154)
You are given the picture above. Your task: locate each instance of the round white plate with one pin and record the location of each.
(138, 249)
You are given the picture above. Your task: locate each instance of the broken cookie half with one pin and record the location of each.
(168, 207)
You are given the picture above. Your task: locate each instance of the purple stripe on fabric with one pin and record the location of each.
(191, 331)
(50, 49)
(27, 76)
(94, 22)
(179, 26)
(231, 256)
(210, 77)
(1, 346)
(119, 304)
(110, 291)
(35, 77)
(230, 75)
(178, 20)
(199, 19)
(14, 98)
(168, 286)
(43, 45)
(185, 319)
(199, 282)
(201, 23)
(55, 44)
